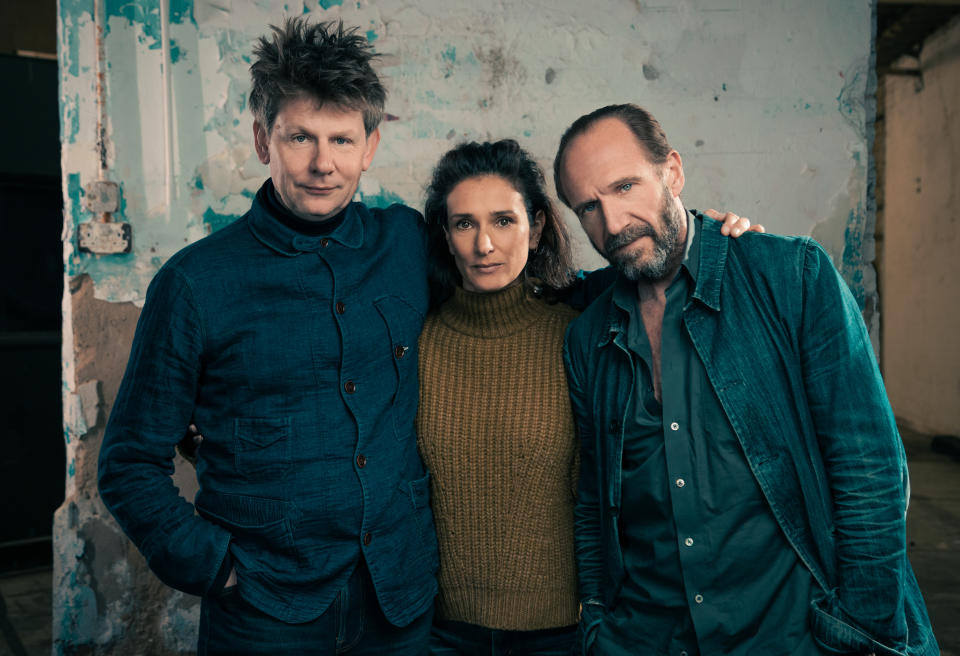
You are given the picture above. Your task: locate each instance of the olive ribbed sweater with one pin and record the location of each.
(496, 432)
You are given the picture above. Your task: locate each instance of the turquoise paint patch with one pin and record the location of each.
(248, 193)
(75, 119)
(383, 198)
(216, 220)
(371, 36)
(449, 54)
(70, 125)
(175, 52)
(75, 194)
(852, 262)
(72, 469)
(527, 133)
(181, 10)
(326, 4)
(75, 8)
(73, 47)
(136, 14)
(430, 98)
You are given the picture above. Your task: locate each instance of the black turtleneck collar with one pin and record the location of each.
(270, 200)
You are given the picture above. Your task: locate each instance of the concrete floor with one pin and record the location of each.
(933, 530)
(933, 535)
(28, 597)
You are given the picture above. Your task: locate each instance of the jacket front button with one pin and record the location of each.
(341, 308)
(349, 387)
(400, 351)
(361, 461)
(324, 242)
(367, 538)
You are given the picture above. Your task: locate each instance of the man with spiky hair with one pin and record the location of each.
(290, 339)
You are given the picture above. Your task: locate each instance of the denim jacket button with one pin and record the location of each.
(324, 242)
(674, 426)
(367, 538)
(350, 387)
(341, 308)
(680, 482)
(361, 461)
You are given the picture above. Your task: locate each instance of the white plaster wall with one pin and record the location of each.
(767, 102)
(921, 318)
(764, 100)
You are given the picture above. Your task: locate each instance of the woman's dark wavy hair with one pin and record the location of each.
(550, 266)
(323, 61)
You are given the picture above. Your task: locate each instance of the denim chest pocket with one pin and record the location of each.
(404, 323)
(262, 447)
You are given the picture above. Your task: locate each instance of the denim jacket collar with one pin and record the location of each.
(705, 260)
(712, 262)
(291, 243)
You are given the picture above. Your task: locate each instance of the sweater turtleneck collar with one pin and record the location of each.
(491, 314)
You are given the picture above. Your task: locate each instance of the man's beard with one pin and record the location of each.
(667, 248)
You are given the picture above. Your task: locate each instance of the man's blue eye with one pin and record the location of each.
(626, 186)
(341, 141)
(300, 138)
(589, 207)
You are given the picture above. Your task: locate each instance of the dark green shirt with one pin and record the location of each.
(708, 569)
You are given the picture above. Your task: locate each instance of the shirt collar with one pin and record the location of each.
(287, 241)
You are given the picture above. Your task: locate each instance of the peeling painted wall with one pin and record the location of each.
(921, 319)
(769, 104)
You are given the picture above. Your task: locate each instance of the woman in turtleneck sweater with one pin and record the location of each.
(495, 426)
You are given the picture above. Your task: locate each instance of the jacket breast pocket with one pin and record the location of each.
(262, 447)
(404, 323)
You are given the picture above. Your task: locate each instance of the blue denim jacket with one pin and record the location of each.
(786, 351)
(296, 356)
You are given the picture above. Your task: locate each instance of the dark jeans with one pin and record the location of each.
(462, 639)
(353, 624)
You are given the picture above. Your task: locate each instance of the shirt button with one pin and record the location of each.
(324, 242)
(362, 461)
(399, 351)
(674, 426)
(367, 538)
(697, 598)
(350, 387)
(688, 541)
(680, 482)
(341, 308)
